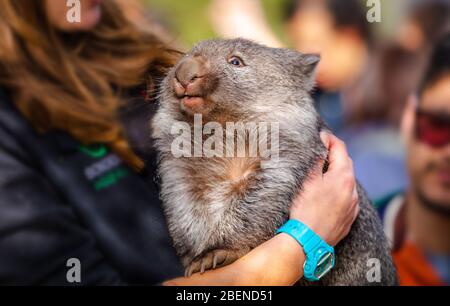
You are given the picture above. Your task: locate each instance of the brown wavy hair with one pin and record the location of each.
(74, 82)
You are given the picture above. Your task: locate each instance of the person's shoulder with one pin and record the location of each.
(389, 209)
(382, 203)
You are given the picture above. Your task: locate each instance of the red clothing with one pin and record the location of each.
(413, 269)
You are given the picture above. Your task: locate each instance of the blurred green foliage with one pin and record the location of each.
(188, 20)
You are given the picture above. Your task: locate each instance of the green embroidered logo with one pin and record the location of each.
(108, 168)
(94, 151)
(110, 178)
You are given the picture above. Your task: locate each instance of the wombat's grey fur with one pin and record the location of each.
(218, 209)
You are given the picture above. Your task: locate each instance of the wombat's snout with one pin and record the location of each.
(190, 81)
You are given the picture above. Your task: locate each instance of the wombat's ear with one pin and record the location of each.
(309, 64)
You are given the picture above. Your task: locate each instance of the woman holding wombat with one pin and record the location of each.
(76, 173)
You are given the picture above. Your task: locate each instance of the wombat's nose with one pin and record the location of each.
(190, 70)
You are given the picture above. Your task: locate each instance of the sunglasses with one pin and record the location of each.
(433, 128)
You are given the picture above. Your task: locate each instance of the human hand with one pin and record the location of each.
(328, 203)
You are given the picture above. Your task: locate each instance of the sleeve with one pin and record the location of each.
(39, 234)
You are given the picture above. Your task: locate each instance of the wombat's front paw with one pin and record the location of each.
(211, 260)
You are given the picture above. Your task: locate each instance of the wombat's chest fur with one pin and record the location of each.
(231, 203)
(219, 207)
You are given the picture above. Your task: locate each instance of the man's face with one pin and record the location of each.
(429, 160)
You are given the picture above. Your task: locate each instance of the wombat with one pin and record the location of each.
(220, 207)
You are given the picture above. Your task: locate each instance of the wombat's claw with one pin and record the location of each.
(211, 260)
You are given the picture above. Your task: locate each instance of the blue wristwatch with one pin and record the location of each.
(319, 255)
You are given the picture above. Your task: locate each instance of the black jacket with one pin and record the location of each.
(59, 200)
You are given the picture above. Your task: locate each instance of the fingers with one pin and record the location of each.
(317, 171)
(350, 164)
(356, 213)
(353, 212)
(350, 219)
(340, 164)
(325, 136)
(355, 196)
(354, 203)
(335, 191)
(338, 157)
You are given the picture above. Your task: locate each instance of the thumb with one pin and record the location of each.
(321, 164)
(326, 138)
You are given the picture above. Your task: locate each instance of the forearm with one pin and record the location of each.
(277, 262)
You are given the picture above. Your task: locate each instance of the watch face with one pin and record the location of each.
(324, 265)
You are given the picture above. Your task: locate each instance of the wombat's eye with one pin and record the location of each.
(236, 61)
